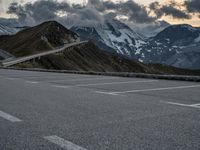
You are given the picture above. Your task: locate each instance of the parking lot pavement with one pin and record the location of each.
(40, 110)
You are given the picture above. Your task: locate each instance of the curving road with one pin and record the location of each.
(27, 58)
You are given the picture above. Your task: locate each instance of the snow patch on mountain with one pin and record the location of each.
(165, 48)
(197, 39)
(113, 35)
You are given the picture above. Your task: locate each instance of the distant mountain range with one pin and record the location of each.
(176, 45)
(151, 29)
(9, 26)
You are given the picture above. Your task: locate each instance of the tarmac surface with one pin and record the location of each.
(57, 111)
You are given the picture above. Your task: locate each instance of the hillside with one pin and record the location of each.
(89, 57)
(45, 36)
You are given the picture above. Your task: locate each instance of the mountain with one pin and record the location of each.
(149, 29)
(88, 57)
(113, 36)
(5, 55)
(179, 35)
(5, 30)
(189, 57)
(177, 45)
(45, 36)
(9, 26)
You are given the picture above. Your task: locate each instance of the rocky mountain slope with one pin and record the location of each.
(177, 45)
(89, 57)
(45, 36)
(113, 36)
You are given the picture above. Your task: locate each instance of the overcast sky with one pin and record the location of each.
(170, 13)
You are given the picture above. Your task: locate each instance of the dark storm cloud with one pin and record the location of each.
(168, 10)
(18, 10)
(174, 12)
(96, 11)
(193, 6)
(134, 11)
(39, 11)
(47, 10)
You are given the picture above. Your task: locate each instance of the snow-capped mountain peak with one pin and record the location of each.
(113, 35)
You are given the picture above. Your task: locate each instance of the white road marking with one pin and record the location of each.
(112, 83)
(106, 93)
(9, 117)
(195, 105)
(63, 143)
(10, 78)
(184, 105)
(85, 79)
(148, 90)
(32, 82)
(107, 83)
(60, 86)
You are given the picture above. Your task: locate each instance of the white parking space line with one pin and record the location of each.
(60, 86)
(10, 78)
(184, 105)
(63, 143)
(196, 105)
(148, 90)
(32, 82)
(9, 117)
(112, 83)
(85, 79)
(107, 83)
(52, 77)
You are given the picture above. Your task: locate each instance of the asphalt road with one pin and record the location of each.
(52, 111)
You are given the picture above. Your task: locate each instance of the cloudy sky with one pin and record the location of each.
(136, 11)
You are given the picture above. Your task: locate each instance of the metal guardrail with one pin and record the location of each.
(27, 58)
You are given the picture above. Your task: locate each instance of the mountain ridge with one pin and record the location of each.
(42, 37)
(174, 39)
(89, 57)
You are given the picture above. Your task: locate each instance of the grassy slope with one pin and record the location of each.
(29, 41)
